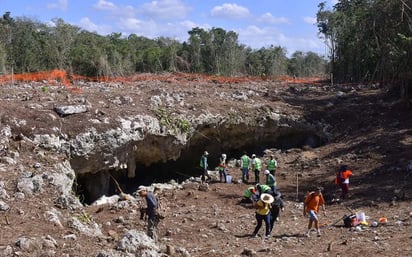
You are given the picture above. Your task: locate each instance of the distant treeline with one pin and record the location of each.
(27, 45)
(369, 40)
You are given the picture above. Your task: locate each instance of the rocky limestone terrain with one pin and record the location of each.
(70, 161)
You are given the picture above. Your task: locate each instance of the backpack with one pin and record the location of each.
(350, 220)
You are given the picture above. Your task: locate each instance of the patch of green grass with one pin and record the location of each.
(84, 218)
(167, 120)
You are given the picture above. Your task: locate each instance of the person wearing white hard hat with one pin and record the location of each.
(257, 167)
(204, 166)
(222, 168)
(270, 180)
(151, 211)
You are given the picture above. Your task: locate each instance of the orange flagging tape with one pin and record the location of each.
(61, 77)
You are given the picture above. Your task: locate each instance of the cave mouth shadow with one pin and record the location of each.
(91, 186)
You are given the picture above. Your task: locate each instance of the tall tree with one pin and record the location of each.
(27, 45)
(86, 53)
(371, 38)
(62, 37)
(7, 24)
(197, 39)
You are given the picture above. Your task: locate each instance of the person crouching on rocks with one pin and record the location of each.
(250, 196)
(263, 214)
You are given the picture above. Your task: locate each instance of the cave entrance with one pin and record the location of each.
(229, 141)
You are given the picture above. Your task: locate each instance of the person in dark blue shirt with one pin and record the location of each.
(151, 211)
(277, 206)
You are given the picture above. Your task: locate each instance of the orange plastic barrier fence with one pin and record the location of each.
(49, 76)
(61, 77)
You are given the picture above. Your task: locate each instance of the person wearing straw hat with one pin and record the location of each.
(263, 214)
(151, 211)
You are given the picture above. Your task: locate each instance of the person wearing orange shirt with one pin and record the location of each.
(311, 205)
(342, 178)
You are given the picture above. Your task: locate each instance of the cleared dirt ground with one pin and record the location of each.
(370, 131)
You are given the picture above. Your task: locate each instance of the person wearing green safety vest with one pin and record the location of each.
(257, 167)
(270, 180)
(222, 168)
(250, 196)
(204, 166)
(244, 167)
(262, 188)
(272, 164)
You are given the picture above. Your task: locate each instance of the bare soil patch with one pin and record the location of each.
(370, 130)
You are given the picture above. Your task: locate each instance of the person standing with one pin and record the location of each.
(342, 178)
(151, 211)
(311, 205)
(204, 166)
(263, 214)
(222, 168)
(257, 167)
(244, 167)
(270, 180)
(271, 165)
(277, 206)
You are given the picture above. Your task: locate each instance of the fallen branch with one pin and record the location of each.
(349, 209)
(337, 221)
(117, 184)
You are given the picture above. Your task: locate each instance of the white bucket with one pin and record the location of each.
(228, 179)
(361, 218)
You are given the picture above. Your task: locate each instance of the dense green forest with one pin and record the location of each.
(369, 40)
(27, 45)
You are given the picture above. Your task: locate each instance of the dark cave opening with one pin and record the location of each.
(92, 186)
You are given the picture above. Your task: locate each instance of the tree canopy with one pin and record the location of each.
(369, 40)
(27, 45)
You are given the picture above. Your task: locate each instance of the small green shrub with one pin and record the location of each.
(84, 218)
(165, 119)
